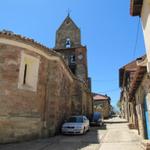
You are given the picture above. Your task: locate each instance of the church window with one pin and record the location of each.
(28, 74)
(25, 74)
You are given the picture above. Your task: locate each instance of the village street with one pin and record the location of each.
(66, 66)
(116, 136)
(120, 137)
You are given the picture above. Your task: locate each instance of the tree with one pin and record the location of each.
(119, 105)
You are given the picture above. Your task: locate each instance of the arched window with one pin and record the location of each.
(68, 43)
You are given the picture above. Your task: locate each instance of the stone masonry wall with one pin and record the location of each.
(81, 64)
(68, 30)
(81, 99)
(82, 68)
(142, 94)
(27, 114)
(65, 98)
(58, 97)
(21, 111)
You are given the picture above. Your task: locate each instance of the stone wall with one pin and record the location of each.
(89, 104)
(27, 113)
(142, 94)
(81, 99)
(81, 68)
(68, 29)
(132, 115)
(21, 110)
(58, 97)
(65, 97)
(123, 108)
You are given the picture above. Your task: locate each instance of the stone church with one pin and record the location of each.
(41, 87)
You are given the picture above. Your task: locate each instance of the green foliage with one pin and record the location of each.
(119, 104)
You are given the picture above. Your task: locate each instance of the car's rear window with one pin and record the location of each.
(76, 119)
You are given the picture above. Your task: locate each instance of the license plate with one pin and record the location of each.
(70, 130)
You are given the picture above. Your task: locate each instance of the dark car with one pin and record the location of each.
(97, 119)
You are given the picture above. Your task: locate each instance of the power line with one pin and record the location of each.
(136, 40)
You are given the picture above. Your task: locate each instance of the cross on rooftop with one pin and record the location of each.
(69, 12)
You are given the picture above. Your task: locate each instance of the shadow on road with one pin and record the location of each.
(90, 140)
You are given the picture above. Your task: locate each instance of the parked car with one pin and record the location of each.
(75, 125)
(97, 119)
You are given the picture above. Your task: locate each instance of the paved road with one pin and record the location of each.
(119, 137)
(89, 141)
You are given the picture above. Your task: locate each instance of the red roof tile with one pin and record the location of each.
(100, 97)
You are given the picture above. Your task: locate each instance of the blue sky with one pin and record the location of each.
(108, 31)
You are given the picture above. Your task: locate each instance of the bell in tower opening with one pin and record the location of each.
(68, 43)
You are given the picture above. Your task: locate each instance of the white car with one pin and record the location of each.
(76, 125)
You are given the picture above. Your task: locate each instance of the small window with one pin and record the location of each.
(28, 74)
(25, 74)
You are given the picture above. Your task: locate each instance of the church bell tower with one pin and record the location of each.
(68, 43)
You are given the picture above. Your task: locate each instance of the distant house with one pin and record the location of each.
(101, 103)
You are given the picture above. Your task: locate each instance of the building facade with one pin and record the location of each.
(141, 8)
(135, 105)
(101, 103)
(38, 90)
(126, 75)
